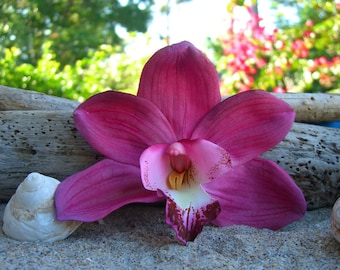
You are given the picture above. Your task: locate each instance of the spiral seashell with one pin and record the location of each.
(335, 220)
(30, 213)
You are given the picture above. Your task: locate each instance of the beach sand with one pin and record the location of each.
(137, 237)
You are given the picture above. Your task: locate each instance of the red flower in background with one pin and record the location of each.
(299, 48)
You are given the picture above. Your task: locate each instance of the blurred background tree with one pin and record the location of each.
(298, 56)
(74, 28)
(77, 48)
(73, 48)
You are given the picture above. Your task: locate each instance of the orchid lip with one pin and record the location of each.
(165, 166)
(177, 171)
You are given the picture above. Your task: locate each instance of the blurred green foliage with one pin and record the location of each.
(106, 68)
(75, 28)
(70, 48)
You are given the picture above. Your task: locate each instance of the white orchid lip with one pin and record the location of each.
(168, 167)
(178, 170)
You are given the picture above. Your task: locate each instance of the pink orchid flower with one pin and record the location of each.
(176, 140)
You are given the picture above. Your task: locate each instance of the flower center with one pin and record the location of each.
(180, 164)
(176, 179)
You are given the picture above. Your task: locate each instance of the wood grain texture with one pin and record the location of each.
(313, 108)
(17, 99)
(47, 142)
(40, 141)
(311, 155)
(37, 133)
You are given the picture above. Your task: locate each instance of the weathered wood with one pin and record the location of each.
(17, 99)
(37, 133)
(313, 108)
(311, 155)
(308, 107)
(40, 141)
(47, 142)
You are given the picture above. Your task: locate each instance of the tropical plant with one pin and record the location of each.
(302, 57)
(107, 68)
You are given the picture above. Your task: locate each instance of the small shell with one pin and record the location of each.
(335, 220)
(30, 213)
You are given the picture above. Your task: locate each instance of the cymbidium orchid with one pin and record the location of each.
(176, 140)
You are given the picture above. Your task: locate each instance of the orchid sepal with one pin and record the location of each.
(95, 192)
(182, 82)
(258, 194)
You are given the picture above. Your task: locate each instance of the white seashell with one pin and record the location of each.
(30, 213)
(335, 220)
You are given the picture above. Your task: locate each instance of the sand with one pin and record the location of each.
(137, 237)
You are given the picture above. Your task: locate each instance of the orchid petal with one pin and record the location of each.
(247, 124)
(208, 161)
(97, 191)
(120, 126)
(183, 83)
(258, 194)
(188, 210)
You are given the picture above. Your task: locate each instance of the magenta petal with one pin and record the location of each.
(188, 222)
(121, 126)
(183, 83)
(97, 191)
(247, 124)
(258, 194)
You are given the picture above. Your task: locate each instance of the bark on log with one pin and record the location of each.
(40, 141)
(47, 142)
(37, 133)
(311, 155)
(313, 108)
(17, 99)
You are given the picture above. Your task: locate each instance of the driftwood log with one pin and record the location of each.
(16, 99)
(37, 133)
(313, 108)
